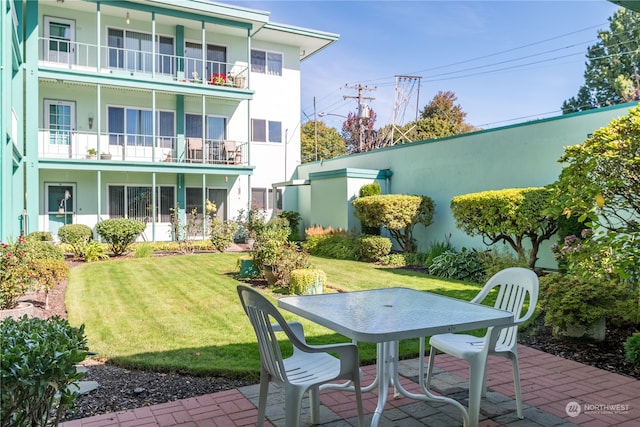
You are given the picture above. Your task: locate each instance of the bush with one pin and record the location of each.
(464, 265)
(371, 248)
(38, 365)
(40, 249)
(495, 260)
(307, 281)
(39, 236)
(75, 235)
(222, 233)
(436, 249)
(632, 349)
(17, 272)
(270, 242)
(290, 259)
(49, 273)
(336, 246)
(372, 189)
(417, 259)
(119, 233)
(395, 260)
(93, 251)
(294, 219)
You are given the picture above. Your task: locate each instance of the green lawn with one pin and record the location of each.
(182, 313)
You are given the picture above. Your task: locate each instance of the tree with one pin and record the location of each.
(330, 143)
(359, 132)
(397, 213)
(611, 75)
(511, 216)
(601, 181)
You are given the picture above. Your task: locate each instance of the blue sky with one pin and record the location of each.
(506, 61)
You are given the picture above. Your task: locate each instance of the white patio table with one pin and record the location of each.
(386, 316)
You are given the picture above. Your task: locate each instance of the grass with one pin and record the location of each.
(182, 313)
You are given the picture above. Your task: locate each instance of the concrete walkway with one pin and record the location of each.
(556, 392)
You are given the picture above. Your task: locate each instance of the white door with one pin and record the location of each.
(59, 122)
(60, 40)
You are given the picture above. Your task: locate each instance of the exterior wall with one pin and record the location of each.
(516, 156)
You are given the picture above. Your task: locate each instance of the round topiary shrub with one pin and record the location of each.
(76, 236)
(119, 233)
(372, 248)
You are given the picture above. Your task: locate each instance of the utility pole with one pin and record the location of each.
(407, 87)
(315, 127)
(363, 111)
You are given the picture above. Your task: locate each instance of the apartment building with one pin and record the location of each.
(139, 108)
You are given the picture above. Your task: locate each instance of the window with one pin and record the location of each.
(216, 62)
(134, 126)
(59, 120)
(261, 129)
(216, 129)
(135, 202)
(262, 198)
(132, 51)
(266, 62)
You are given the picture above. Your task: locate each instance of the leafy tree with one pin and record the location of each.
(397, 213)
(330, 143)
(601, 180)
(611, 75)
(511, 216)
(352, 129)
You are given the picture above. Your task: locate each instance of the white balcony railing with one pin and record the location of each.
(60, 144)
(82, 56)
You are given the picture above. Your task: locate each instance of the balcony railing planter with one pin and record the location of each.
(91, 153)
(218, 79)
(105, 156)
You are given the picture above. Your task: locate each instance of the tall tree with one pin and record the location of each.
(612, 75)
(329, 144)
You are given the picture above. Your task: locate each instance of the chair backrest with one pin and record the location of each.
(514, 284)
(194, 143)
(230, 148)
(261, 313)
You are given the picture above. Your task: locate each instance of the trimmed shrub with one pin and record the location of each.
(398, 213)
(76, 236)
(119, 233)
(307, 281)
(632, 349)
(38, 365)
(39, 236)
(372, 248)
(372, 189)
(464, 265)
(336, 246)
(395, 260)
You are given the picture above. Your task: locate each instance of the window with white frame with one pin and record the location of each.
(134, 126)
(266, 130)
(216, 62)
(135, 202)
(265, 62)
(262, 198)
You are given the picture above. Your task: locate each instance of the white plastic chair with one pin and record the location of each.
(514, 284)
(306, 369)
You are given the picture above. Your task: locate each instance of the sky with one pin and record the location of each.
(507, 62)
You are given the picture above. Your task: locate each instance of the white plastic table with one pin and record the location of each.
(386, 316)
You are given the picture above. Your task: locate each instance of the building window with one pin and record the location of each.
(134, 126)
(135, 202)
(216, 62)
(266, 131)
(262, 198)
(264, 62)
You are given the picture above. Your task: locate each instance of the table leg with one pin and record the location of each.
(384, 369)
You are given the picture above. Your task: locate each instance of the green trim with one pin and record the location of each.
(159, 8)
(351, 173)
(118, 166)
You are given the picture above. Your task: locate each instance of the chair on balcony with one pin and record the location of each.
(231, 154)
(194, 149)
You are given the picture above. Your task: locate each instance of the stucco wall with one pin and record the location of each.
(524, 155)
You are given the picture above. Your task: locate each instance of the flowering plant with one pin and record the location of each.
(218, 79)
(17, 272)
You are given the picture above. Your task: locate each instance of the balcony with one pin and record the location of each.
(60, 144)
(64, 54)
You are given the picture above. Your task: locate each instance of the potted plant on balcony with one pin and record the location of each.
(218, 79)
(92, 153)
(105, 156)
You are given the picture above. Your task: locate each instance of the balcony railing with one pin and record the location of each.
(61, 144)
(82, 56)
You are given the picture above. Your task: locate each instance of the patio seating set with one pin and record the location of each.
(384, 317)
